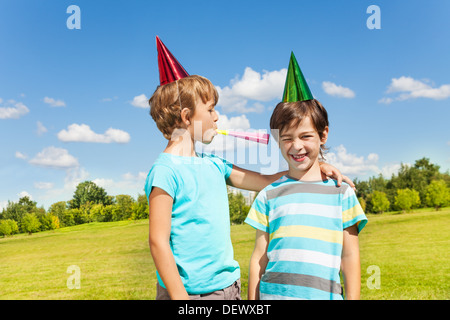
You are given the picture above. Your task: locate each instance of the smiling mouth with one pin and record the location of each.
(299, 157)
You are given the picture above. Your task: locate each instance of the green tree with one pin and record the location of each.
(107, 213)
(437, 194)
(58, 209)
(237, 206)
(30, 223)
(416, 177)
(16, 211)
(8, 227)
(407, 199)
(362, 202)
(380, 202)
(88, 191)
(140, 208)
(96, 212)
(123, 208)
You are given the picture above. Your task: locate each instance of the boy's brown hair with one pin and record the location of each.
(288, 114)
(168, 100)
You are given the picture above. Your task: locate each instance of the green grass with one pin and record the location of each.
(411, 250)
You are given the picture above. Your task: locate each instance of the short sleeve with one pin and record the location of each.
(162, 177)
(224, 166)
(352, 212)
(258, 216)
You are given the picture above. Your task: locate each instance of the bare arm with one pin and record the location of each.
(160, 212)
(350, 264)
(251, 180)
(258, 263)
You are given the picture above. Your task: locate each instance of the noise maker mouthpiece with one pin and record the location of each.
(251, 136)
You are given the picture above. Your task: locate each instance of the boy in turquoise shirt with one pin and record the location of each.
(189, 222)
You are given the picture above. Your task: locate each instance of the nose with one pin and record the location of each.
(297, 145)
(216, 116)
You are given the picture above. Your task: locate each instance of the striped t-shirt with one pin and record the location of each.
(305, 222)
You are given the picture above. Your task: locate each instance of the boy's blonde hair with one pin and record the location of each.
(168, 100)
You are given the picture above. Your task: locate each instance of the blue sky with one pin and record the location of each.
(72, 101)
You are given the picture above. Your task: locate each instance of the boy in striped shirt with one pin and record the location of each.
(306, 226)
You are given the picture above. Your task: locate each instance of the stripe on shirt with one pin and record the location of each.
(351, 213)
(308, 256)
(303, 281)
(296, 292)
(308, 232)
(306, 208)
(289, 188)
(258, 217)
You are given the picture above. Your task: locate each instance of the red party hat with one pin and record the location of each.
(169, 68)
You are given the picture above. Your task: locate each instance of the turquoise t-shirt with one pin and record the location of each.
(200, 231)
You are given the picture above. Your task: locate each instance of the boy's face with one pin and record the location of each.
(203, 122)
(300, 146)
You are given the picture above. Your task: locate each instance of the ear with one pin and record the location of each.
(324, 138)
(185, 116)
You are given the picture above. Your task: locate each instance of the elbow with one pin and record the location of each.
(157, 245)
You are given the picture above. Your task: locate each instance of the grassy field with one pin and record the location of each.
(411, 251)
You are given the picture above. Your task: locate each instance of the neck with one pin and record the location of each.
(313, 173)
(181, 145)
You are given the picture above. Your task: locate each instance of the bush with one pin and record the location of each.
(437, 194)
(380, 202)
(238, 208)
(8, 227)
(30, 223)
(407, 199)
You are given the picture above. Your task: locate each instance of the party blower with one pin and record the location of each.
(251, 136)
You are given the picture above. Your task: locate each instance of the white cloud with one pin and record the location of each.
(74, 176)
(13, 110)
(233, 123)
(388, 170)
(252, 86)
(409, 88)
(140, 101)
(338, 91)
(53, 157)
(83, 133)
(3, 205)
(20, 155)
(140, 176)
(54, 103)
(41, 129)
(43, 185)
(24, 194)
(351, 164)
(386, 100)
(130, 183)
(109, 99)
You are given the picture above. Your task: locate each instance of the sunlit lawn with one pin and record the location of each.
(411, 251)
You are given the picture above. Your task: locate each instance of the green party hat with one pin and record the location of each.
(295, 88)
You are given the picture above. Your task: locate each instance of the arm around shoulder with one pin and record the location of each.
(251, 180)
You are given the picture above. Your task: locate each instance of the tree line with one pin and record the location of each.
(90, 203)
(417, 186)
